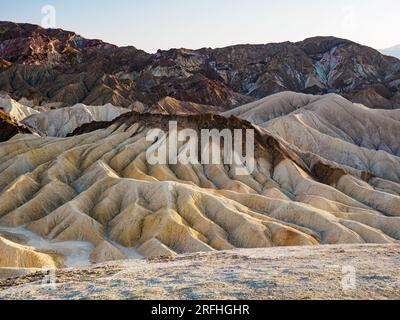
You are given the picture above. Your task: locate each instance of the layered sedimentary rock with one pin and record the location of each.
(331, 128)
(392, 51)
(60, 122)
(15, 255)
(11, 114)
(173, 106)
(9, 126)
(15, 109)
(277, 273)
(59, 66)
(97, 186)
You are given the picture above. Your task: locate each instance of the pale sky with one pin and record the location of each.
(164, 24)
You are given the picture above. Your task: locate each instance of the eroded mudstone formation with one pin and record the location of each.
(173, 106)
(15, 109)
(56, 121)
(96, 186)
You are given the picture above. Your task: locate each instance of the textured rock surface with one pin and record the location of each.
(97, 186)
(61, 122)
(60, 66)
(15, 109)
(324, 272)
(173, 106)
(9, 126)
(327, 169)
(14, 255)
(331, 128)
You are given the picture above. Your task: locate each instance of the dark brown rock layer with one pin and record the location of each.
(61, 66)
(9, 127)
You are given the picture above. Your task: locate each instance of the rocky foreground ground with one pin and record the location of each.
(321, 272)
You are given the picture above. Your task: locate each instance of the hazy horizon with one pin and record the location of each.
(157, 24)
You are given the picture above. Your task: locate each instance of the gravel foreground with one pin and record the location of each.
(321, 272)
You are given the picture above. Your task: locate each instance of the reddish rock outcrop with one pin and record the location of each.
(60, 66)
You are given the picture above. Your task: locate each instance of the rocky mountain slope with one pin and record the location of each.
(173, 106)
(62, 67)
(15, 109)
(363, 140)
(301, 273)
(10, 126)
(96, 186)
(51, 120)
(14, 255)
(61, 122)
